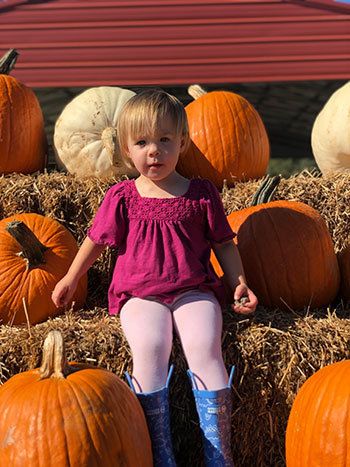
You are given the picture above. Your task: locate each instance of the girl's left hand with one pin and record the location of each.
(245, 300)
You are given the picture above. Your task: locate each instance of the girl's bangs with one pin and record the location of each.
(140, 122)
(146, 119)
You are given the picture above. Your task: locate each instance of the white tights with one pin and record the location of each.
(148, 327)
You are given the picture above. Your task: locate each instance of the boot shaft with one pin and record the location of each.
(214, 412)
(157, 412)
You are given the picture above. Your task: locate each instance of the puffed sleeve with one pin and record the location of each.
(218, 228)
(108, 227)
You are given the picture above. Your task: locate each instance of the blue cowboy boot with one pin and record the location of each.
(156, 408)
(214, 412)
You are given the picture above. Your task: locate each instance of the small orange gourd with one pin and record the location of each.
(71, 415)
(23, 143)
(286, 250)
(229, 139)
(35, 253)
(318, 430)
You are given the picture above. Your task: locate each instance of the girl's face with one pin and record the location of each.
(155, 155)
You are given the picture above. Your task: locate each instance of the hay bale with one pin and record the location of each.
(273, 351)
(74, 201)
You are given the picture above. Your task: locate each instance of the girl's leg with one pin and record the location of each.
(199, 325)
(198, 322)
(148, 328)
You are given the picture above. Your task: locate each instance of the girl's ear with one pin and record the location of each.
(182, 144)
(185, 142)
(127, 152)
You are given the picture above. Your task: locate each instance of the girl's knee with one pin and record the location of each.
(201, 356)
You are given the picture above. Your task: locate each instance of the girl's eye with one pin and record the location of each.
(164, 139)
(141, 142)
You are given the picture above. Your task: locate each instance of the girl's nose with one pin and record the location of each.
(153, 150)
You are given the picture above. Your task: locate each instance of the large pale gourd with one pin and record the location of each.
(330, 135)
(23, 143)
(229, 140)
(287, 253)
(318, 430)
(70, 415)
(85, 137)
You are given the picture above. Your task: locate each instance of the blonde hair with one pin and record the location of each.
(144, 111)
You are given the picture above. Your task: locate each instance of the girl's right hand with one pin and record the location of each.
(63, 292)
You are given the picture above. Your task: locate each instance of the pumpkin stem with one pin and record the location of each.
(7, 62)
(110, 142)
(196, 91)
(54, 362)
(32, 250)
(265, 192)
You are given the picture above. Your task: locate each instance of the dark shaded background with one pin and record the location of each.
(288, 110)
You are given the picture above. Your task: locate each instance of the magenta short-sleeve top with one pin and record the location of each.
(163, 243)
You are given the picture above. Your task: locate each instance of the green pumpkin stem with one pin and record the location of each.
(265, 192)
(32, 250)
(7, 61)
(54, 362)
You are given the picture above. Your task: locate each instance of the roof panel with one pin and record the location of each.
(85, 43)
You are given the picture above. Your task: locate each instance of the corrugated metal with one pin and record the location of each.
(134, 42)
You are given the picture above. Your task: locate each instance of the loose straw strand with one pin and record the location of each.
(27, 316)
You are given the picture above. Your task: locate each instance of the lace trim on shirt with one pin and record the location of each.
(181, 208)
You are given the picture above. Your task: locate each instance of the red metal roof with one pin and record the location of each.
(150, 42)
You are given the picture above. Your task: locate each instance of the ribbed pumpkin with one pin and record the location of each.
(85, 137)
(23, 143)
(330, 134)
(35, 253)
(65, 415)
(318, 430)
(229, 140)
(287, 252)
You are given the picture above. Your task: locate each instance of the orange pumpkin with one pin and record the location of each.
(287, 254)
(35, 253)
(23, 143)
(318, 430)
(71, 415)
(229, 140)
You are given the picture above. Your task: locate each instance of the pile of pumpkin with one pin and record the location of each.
(229, 144)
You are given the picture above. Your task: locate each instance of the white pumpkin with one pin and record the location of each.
(85, 138)
(330, 135)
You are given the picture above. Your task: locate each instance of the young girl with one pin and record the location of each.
(164, 226)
